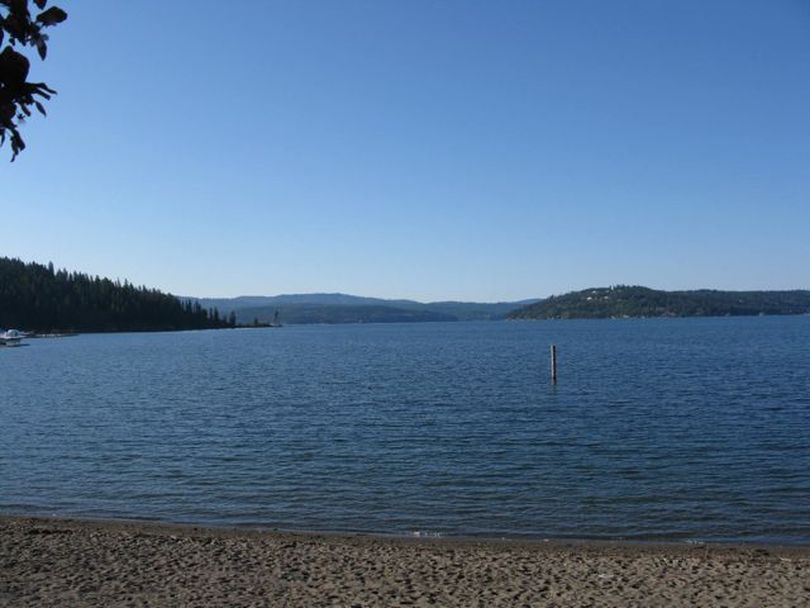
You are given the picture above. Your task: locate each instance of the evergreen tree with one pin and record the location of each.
(36, 298)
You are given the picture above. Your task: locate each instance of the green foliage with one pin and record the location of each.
(634, 301)
(37, 298)
(18, 28)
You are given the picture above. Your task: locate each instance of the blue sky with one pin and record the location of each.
(431, 150)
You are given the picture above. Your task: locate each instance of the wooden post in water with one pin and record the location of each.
(553, 364)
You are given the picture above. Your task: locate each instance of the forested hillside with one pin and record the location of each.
(634, 301)
(34, 297)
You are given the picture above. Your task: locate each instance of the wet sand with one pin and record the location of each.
(50, 562)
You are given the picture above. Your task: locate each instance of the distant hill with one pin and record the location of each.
(635, 301)
(345, 308)
(226, 305)
(325, 313)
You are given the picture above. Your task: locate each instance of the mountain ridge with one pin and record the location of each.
(321, 307)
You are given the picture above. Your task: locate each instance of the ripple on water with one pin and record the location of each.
(658, 429)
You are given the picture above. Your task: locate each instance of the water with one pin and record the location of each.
(686, 429)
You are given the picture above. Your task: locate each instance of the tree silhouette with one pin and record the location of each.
(40, 298)
(17, 96)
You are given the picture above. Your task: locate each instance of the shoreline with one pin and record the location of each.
(249, 530)
(55, 561)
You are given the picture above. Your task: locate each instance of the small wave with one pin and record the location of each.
(426, 534)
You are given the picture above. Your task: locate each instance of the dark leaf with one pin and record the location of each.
(42, 48)
(13, 67)
(41, 108)
(41, 89)
(6, 112)
(14, 28)
(17, 144)
(52, 16)
(40, 3)
(20, 8)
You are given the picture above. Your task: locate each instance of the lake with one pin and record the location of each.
(658, 429)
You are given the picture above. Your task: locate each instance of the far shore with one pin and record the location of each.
(59, 562)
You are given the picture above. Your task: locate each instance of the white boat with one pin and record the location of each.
(11, 337)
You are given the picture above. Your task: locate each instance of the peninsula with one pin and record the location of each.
(623, 301)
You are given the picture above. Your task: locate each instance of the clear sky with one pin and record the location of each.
(423, 149)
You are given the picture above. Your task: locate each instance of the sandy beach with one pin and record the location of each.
(49, 562)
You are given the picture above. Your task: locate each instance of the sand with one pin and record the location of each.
(49, 562)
